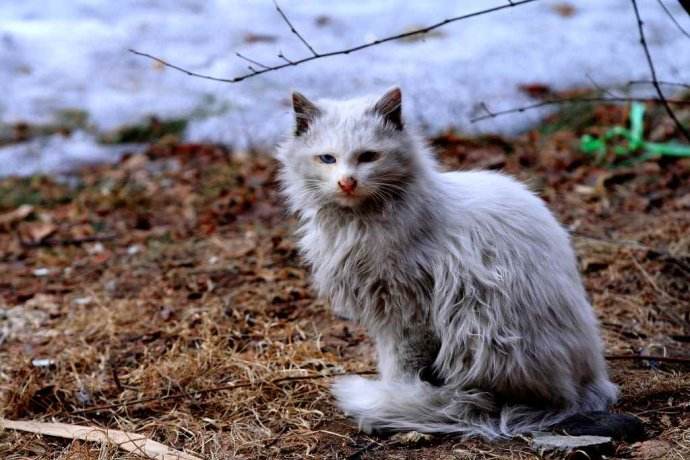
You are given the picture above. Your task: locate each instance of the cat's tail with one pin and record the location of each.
(419, 406)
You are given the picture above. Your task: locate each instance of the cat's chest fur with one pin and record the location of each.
(364, 270)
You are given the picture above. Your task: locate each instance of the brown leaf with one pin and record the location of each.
(259, 38)
(535, 89)
(35, 232)
(15, 215)
(564, 9)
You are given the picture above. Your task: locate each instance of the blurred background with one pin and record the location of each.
(65, 66)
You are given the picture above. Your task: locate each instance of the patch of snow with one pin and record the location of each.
(57, 56)
(56, 154)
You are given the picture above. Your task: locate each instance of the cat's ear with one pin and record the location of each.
(390, 107)
(305, 112)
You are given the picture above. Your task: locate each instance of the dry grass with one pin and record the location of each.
(201, 287)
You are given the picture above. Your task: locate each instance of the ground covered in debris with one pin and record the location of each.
(164, 296)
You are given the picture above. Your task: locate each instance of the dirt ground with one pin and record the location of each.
(136, 296)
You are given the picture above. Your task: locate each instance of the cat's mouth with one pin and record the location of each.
(348, 199)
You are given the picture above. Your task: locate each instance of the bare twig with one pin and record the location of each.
(251, 61)
(667, 359)
(232, 386)
(601, 89)
(665, 83)
(675, 21)
(315, 55)
(652, 70)
(67, 241)
(293, 30)
(570, 100)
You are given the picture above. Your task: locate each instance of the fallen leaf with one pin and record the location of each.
(15, 215)
(535, 89)
(35, 232)
(130, 442)
(259, 38)
(565, 10)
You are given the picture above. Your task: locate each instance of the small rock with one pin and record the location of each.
(41, 272)
(572, 447)
(133, 249)
(43, 362)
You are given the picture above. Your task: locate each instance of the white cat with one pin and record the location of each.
(466, 282)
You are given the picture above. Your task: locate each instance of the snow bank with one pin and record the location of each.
(57, 56)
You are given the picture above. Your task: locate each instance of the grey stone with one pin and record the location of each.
(572, 447)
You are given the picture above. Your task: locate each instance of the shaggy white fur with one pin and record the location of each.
(465, 280)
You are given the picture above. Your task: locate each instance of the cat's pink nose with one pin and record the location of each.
(348, 185)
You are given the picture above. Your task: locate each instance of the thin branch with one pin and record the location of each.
(67, 241)
(344, 51)
(251, 61)
(569, 100)
(189, 72)
(652, 70)
(187, 394)
(293, 30)
(601, 89)
(287, 61)
(667, 359)
(665, 83)
(668, 13)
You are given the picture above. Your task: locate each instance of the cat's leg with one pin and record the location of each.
(403, 358)
(406, 354)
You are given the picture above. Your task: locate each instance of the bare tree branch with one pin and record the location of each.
(601, 89)
(568, 100)
(650, 82)
(265, 69)
(293, 30)
(652, 70)
(654, 81)
(251, 61)
(665, 359)
(675, 21)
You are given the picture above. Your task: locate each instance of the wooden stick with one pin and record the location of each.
(232, 386)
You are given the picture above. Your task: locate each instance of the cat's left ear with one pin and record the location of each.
(305, 112)
(390, 107)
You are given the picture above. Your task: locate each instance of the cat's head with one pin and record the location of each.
(348, 153)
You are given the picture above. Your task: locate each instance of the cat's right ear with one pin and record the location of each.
(305, 112)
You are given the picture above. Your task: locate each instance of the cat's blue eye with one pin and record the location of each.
(326, 158)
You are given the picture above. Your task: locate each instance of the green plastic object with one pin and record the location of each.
(635, 142)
